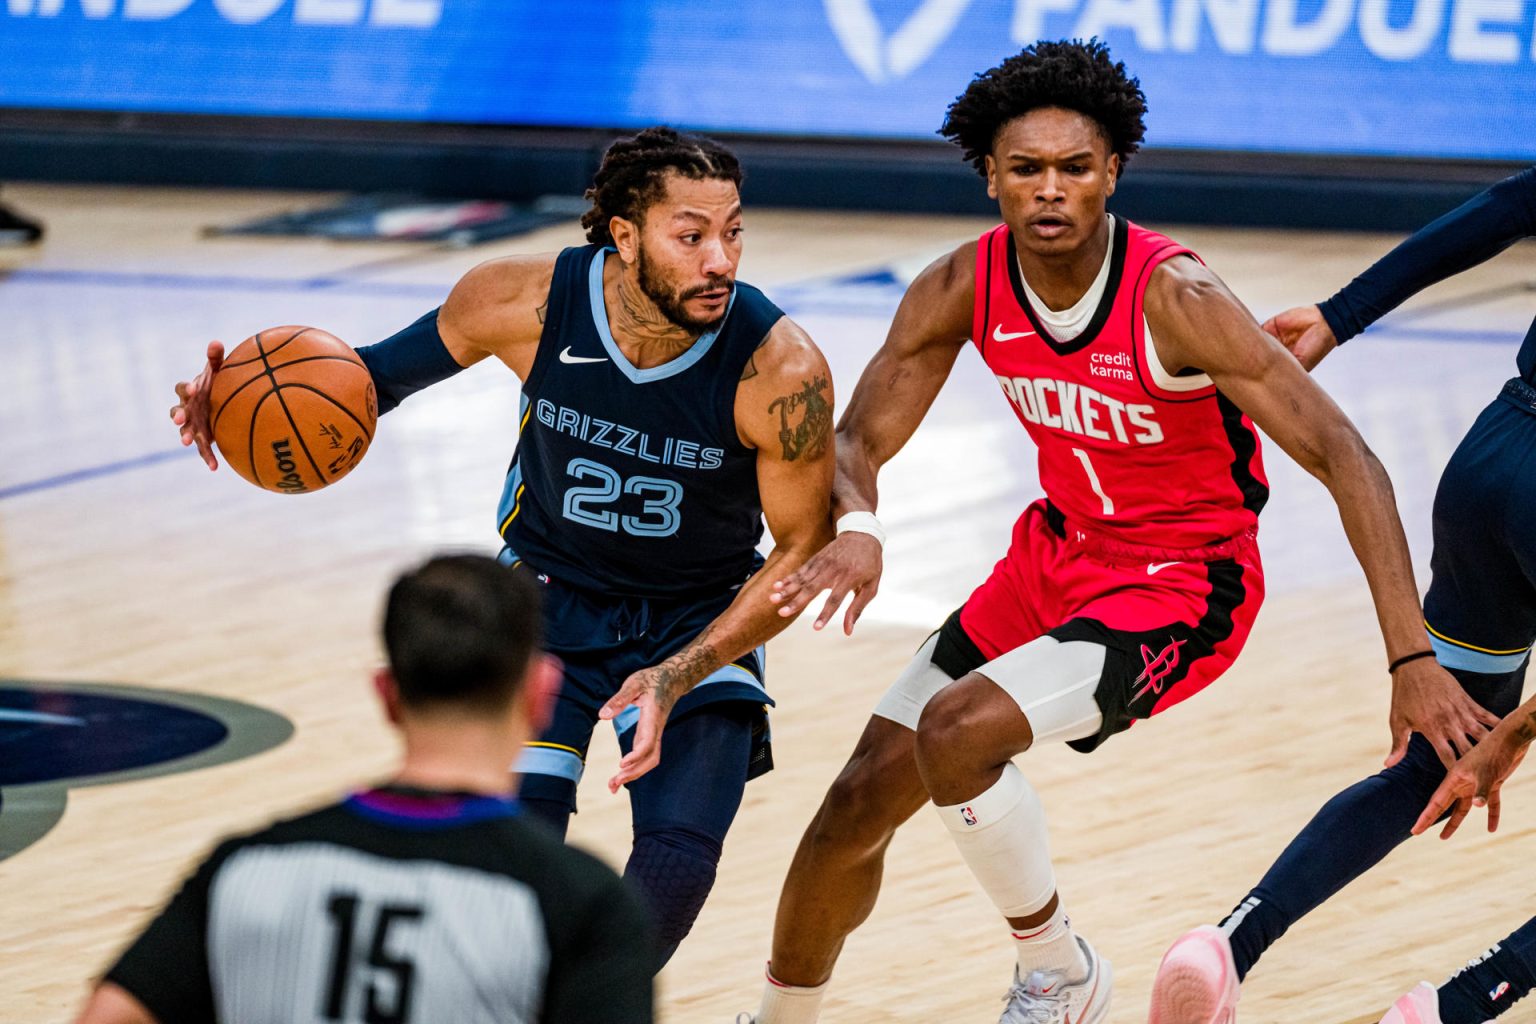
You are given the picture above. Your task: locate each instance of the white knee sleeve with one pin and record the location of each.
(1001, 834)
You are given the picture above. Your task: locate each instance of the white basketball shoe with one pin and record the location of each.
(1045, 997)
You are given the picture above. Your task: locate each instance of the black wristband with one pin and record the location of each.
(1405, 659)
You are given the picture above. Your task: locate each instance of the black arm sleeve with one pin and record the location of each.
(166, 967)
(408, 361)
(1480, 228)
(601, 960)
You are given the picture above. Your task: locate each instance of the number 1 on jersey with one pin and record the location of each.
(1093, 480)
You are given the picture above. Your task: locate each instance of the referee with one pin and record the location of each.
(429, 899)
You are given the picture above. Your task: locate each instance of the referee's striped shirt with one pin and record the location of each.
(397, 906)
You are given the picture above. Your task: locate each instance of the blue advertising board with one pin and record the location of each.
(1439, 78)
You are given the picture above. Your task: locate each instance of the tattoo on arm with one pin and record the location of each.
(676, 675)
(750, 370)
(805, 420)
(1526, 731)
(541, 311)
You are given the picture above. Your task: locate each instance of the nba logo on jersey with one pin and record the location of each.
(968, 816)
(1499, 991)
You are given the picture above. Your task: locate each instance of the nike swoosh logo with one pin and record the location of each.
(1157, 567)
(998, 334)
(566, 357)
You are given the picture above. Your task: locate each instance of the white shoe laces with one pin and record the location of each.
(1028, 1005)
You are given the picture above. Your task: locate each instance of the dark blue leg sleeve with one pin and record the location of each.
(554, 813)
(1352, 832)
(681, 810)
(1492, 983)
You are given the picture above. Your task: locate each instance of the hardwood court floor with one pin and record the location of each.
(147, 570)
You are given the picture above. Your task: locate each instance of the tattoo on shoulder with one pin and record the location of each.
(750, 370)
(805, 420)
(542, 311)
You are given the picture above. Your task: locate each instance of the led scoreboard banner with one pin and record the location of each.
(1434, 78)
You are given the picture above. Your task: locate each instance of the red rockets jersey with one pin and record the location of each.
(1125, 449)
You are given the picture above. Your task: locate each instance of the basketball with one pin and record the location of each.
(292, 409)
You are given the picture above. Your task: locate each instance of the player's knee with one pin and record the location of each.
(859, 812)
(953, 732)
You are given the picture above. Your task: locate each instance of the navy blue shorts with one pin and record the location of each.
(1481, 605)
(602, 640)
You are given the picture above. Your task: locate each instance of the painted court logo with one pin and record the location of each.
(59, 736)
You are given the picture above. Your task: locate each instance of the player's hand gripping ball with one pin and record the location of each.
(293, 409)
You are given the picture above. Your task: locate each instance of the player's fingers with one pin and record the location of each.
(1458, 815)
(861, 599)
(1399, 745)
(789, 587)
(618, 702)
(1271, 328)
(1432, 810)
(1444, 749)
(830, 607)
(1484, 716)
(216, 355)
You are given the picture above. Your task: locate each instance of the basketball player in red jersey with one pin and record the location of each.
(1126, 590)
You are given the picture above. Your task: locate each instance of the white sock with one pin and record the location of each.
(789, 1004)
(1050, 946)
(1001, 834)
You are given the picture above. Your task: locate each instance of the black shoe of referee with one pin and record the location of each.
(18, 230)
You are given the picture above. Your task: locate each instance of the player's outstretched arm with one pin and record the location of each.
(1475, 231)
(1476, 779)
(1197, 322)
(495, 309)
(892, 397)
(785, 412)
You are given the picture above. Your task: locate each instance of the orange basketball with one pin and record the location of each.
(293, 409)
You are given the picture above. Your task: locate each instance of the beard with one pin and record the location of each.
(672, 302)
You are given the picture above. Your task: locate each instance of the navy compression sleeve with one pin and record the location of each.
(1479, 229)
(408, 361)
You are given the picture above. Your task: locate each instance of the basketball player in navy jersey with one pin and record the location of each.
(1481, 615)
(1131, 586)
(667, 410)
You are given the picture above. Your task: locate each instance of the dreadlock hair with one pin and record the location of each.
(1069, 73)
(631, 176)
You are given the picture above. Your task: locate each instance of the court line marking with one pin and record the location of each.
(48, 483)
(120, 279)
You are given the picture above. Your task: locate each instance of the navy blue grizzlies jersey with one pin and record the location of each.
(627, 481)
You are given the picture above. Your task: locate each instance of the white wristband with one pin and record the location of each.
(861, 522)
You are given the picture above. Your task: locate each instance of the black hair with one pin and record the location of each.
(1068, 73)
(631, 175)
(461, 630)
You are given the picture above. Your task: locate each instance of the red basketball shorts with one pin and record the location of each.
(1171, 620)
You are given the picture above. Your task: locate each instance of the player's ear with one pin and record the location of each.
(540, 689)
(389, 694)
(626, 238)
(1113, 173)
(991, 176)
